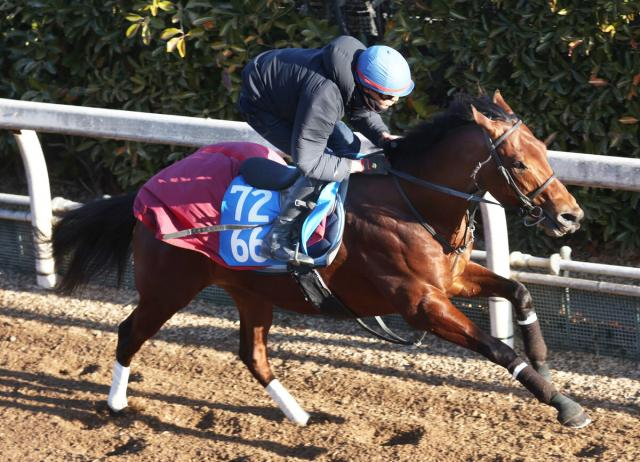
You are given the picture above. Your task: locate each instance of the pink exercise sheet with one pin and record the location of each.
(188, 194)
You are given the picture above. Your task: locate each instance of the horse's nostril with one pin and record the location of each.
(568, 218)
(571, 220)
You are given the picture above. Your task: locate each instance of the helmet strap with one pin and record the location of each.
(370, 101)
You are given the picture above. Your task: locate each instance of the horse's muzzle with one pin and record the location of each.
(564, 222)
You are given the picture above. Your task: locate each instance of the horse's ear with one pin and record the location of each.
(549, 139)
(482, 120)
(499, 100)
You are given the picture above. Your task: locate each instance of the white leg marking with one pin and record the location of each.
(518, 369)
(287, 403)
(118, 394)
(531, 318)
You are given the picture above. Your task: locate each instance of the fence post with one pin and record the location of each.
(497, 245)
(40, 202)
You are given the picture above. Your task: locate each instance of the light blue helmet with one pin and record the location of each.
(384, 70)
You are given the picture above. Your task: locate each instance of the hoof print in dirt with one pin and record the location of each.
(136, 377)
(133, 446)
(206, 422)
(324, 418)
(95, 424)
(591, 451)
(412, 437)
(306, 452)
(90, 369)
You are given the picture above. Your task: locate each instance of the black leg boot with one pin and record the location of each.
(279, 244)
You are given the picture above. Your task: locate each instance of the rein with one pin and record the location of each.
(430, 229)
(475, 198)
(535, 213)
(532, 214)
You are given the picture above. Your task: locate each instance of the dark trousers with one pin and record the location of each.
(279, 243)
(278, 132)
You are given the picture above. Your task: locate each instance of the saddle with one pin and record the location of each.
(265, 181)
(253, 200)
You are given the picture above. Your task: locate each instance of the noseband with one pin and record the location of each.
(532, 214)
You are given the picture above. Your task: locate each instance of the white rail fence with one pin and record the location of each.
(26, 118)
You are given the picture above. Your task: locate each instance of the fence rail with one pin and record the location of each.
(25, 118)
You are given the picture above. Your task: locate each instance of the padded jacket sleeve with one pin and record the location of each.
(318, 112)
(369, 124)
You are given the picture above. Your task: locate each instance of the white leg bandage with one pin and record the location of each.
(118, 394)
(518, 369)
(287, 403)
(531, 318)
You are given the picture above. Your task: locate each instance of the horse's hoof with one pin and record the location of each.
(125, 411)
(570, 413)
(579, 421)
(543, 370)
(117, 406)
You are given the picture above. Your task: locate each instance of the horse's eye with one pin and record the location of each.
(519, 165)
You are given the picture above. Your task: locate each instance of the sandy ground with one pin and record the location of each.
(192, 399)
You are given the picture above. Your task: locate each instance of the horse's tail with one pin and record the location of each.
(96, 236)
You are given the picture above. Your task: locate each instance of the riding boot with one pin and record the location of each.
(279, 243)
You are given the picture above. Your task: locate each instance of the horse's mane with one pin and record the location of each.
(457, 114)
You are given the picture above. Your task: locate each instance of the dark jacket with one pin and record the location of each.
(312, 89)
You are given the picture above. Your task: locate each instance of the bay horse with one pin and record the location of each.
(388, 262)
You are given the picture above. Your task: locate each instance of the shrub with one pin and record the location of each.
(569, 68)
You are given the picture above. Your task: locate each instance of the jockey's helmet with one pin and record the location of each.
(384, 70)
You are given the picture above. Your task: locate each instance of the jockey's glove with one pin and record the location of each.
(389, 146)
(376, 164)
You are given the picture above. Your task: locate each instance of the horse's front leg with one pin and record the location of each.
(255, 321)
(478, 281)
(430, 309)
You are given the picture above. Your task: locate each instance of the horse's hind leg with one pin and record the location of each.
(478, 281)
(434, 312)
(255, 322)
(167, 279)
(140, 326)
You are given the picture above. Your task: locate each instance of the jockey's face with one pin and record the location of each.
(384, 102)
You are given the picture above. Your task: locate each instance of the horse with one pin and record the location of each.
(406, 249)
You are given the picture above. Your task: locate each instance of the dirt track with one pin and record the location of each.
(191, 399)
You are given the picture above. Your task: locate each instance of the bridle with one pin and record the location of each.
(532, 214)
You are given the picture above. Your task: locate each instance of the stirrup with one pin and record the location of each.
(296, 261)
(310, 205)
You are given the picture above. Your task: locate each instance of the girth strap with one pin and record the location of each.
(320, 296)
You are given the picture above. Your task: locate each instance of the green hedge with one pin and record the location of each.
(571, 69)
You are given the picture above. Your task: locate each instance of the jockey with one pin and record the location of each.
(295, 98)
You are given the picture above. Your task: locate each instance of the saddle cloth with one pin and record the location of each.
(319, 236)
(204, 190)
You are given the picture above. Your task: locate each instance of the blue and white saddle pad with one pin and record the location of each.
(244, 204)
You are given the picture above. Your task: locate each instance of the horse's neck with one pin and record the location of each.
(450, 163)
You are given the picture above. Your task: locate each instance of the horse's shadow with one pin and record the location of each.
(227, 338)
(226, 341)
(95, 414)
